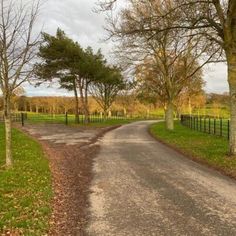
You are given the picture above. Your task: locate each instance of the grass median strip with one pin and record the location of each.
(107, 123)
(202, 147)
(25, 190)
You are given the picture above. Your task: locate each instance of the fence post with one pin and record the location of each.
(214, 126)
(197, 124)
(204, 124)
(22, 119)
(200, 123)
(221, 131)
(209, 125)
(66, 118)
(228, 129)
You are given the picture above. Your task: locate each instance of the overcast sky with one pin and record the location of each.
(78, 20)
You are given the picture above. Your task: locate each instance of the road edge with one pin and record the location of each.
(191, 157)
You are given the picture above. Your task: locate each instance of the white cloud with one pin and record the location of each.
(215, 76)
(80, 22)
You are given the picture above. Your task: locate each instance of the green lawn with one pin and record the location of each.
(48, 118)
(206, 148)
(25, 190)
(61, 118)
(95, 121)
(109, 122)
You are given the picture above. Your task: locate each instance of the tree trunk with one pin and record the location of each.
(16, 108)
(231, 59)
(84, 102)
(86, 109)
(125, 112)
(148, 113)
(105, 112)
(86, 115)
(169, 116)
(53, 111)
(76, 103)
(190, 106)
(7, 119)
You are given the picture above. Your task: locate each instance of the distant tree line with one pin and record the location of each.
(128, 104)
(125, 106)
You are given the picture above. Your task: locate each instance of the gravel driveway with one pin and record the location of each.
(142, 187)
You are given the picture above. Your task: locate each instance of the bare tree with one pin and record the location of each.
(213, 20)
(216, 21)
(170, 59)
(105, 5)
(18, 48)
(167, 76)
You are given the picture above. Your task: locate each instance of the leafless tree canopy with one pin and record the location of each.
(149, 37)
(18, 50)
(18, 46)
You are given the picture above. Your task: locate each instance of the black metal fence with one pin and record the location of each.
(66, 118)
(210, 125)
(15, 117)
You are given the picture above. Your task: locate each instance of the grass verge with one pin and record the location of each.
(95, 121)
(204, 148)
(107, 123)
(25, 190)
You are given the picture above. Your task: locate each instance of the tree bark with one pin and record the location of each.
(53, 111)
(8, 126)
(125, 112)
(189, 106)
(76, 103)
(105, 112)
(25, 107)
(16, 107)
(169, 116)
(84, 102)
(86, 109)
(231, 59)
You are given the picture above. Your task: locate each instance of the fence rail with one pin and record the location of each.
(210, 125)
